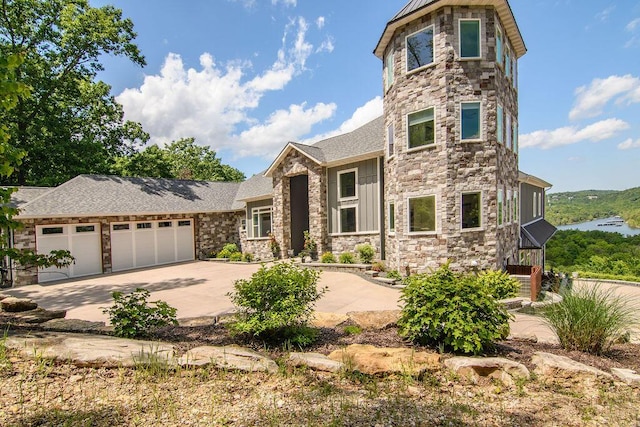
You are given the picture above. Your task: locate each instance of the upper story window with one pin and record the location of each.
(469, 38)
(392, 217)
(515, 137)
(515, 206)
(507, 62)
(389, 70)
(390, 141)
(500, 207)
(499, 52)
(422, 214)
(507, 208)
(471, 210)
(470, 120)
(347, 184)
(509, 131)
(420, 49)
(421, 128)
(500, 125)
(261, 221)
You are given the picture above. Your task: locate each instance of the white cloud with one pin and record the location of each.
(292, 3)
(629, 144)
(214, 103)
(320, 22)
(595, 132)
(364, 114)
(326, 46)
(591, 100)
(604, 15)
(631, 26)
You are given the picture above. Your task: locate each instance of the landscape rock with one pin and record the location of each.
(16, 305)
(372, 360)
(499, 368)
(198, 321)
(629, 376)
(315, 361)
(556, 366)
(327, 320)
(374, 319)
(4, 296)
(39, 315)
(228, 357)
(75, 325)
(512, 303)
(91, 350)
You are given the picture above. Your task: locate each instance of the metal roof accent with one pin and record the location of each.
(536, 234)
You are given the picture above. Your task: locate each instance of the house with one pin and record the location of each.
(434, 179)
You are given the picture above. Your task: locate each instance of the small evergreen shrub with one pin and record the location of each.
(500, 284)
(590, 319)
(352, 330)
(227, 250)
(328, 258)
(247, 257)
(365, 253)
(132, 316)
(451, 311)
(235, 256)
(276, 303)
(347, 258)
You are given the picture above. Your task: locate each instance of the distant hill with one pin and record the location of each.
(580, 206)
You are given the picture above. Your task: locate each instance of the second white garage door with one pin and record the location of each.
(147, 243)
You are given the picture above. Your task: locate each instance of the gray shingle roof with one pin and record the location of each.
(87, 195)
(26, 194)
(411, 7)
(367, 139)
(256, 187)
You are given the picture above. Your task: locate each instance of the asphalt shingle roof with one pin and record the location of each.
(112, 195)
(367, 139)
(26, 194)
(256, 187)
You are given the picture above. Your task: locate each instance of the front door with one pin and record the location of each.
(299, 205)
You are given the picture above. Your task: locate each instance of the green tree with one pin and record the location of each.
(70, 123)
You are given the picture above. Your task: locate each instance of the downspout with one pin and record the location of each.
(381, 223)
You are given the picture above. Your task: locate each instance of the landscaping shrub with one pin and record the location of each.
(347, 258)
(310, 247)
(500, 284)
(227, 250)
(328, 258)
(393, 274)
(378, 266)
(276, 303)
(235, 256)
(451, 311)
(247, 257)
(274, 246)
(132, 316)
(590, 319)
(365, 253)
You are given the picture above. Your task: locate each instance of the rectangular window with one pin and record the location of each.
(507, 62)
(509, 131)
(470, 120)
(507, 207)
(540, 203)
(392, 217)
(389, 68)
(261, 218)
(421, 128)
(143, 225)
(471, 210)
(347, 184)
(515, 137)
(164, 224)
(420, 49)
(535, 208)
(500, 125)
(120, 227)
(52, 230)
(515, 73)
(390, 141)
(500, 207)
(499, 54)
(515, 206)
(185, 223)
(469, 38)
(243, 224)
(422, 214)
(85, 228)
(348, 220)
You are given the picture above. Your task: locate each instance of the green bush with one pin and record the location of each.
(347, 258)
(276, 303)
(328, 258)
(365, 253)
(247, 257)
(378, 266)
(590, 319)
(131, 315)
(235, 256)
(500, 284)
(227, 250)
(393, 274)
(451, 311)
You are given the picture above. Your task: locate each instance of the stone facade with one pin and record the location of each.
(348, 243)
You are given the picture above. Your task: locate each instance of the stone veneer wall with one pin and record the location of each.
(348, 243)
(292, 165)
(449, 167)
(260, 248)
(211, 231)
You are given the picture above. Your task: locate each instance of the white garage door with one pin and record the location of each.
(146, 243)
(82, 240)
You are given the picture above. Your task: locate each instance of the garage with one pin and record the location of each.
(147, 243)
(82, 240)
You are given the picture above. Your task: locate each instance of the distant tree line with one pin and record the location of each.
(581, 206)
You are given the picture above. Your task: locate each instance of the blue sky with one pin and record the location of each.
(246, 76)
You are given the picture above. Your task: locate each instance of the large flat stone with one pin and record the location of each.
(629, 376)
(228, 357)
(315, 361)
(490, 367)
(373, 360)
(327, 320)
(75, 325)
(15, 305)
(381, 319)
(39, 315)
(91, 350)
(553, 365)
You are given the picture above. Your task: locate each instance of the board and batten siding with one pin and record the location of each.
(367, 201)
(528, 193)
(249, 219)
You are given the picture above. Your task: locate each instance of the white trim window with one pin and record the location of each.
(500, 124)
(540, 203)
(515, 73)
(535, 207)
(509, 131)
(348, 217)
(471, 210)
(422, 214)
(515, 137)
(499, 49)
(391, 212)
(421, 125)
(420, 49)
(516, 210)
(389, 70)
(348, 184)
(470, 122)
(469, 38)
(507, 206)
(507, 62)
(500, 207)
(261, 222)
(390, 141)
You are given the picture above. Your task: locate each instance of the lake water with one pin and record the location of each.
(624, 229)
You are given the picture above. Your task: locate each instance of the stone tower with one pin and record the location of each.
(450, 80)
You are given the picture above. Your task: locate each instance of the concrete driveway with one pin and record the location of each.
(196, 289)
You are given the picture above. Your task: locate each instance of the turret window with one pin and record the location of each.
(420, 49)
(470, 120)
(471, 210)
(421, 128)
(469, 38)
(422, 215)
(389, 70)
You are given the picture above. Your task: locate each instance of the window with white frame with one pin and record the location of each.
(535, 207)
(500, 125)
(470, 120)
(389, 70)
(348, 222)
(390, 141)
(348, 184)
(471, 210)
(509, 131)
(540, 203)
(515, 137)
(515, 72)
(516, 218)
(469, 38)
(499, 53)
(507, 62)
(420, 49)
(421, 128)
(500, 206)
(261, 221)
(422, 214)
(392, 217)
(507, 206)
